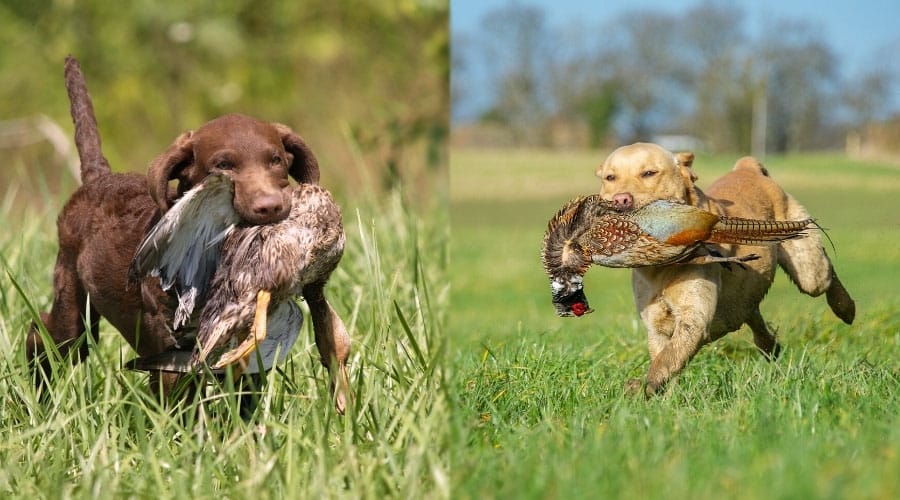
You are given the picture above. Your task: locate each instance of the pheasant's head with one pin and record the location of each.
(566, 260)
(568, 297)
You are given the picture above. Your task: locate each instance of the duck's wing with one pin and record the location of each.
(284, 329)
(184, 246)
(175, 361)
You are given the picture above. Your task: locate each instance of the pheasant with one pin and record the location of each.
(588, 230)
(236, 284)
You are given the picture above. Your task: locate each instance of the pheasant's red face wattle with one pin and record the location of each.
(579, 308)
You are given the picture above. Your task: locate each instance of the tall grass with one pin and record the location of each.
(99, 433)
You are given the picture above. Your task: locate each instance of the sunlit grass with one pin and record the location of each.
(539, 405)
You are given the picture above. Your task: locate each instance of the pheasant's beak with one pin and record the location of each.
(569, 300)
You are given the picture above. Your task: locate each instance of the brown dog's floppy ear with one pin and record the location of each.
(304, 168)
(167, 166)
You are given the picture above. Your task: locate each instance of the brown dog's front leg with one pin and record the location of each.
(333, 342)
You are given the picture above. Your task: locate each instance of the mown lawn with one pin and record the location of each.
(99, 434)
(538, 404)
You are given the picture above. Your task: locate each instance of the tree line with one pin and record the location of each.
(646, 73)
(365, 82)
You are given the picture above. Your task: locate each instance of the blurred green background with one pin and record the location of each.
(364, 82)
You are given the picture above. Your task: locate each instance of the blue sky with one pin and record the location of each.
(861, 32)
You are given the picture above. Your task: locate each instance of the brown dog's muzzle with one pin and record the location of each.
(260, 203)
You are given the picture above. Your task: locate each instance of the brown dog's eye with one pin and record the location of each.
(610, 178)
(224, 165)
(277, 160)
(648, 173)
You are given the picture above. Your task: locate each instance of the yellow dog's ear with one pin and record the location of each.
(685, 161)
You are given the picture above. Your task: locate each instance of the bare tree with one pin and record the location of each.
(514, 41)
(462, 92)
(641, 52)
(722, 81)
(865, 95)
(801, 80)
(582, 87)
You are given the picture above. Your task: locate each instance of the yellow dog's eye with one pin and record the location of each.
(610, 178)
(648, 173)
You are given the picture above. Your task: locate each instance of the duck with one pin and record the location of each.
(236, 285)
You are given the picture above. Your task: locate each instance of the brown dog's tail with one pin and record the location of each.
(755, 232)
(87, 136)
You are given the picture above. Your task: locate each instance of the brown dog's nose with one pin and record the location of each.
(268, 208)
(623, 201)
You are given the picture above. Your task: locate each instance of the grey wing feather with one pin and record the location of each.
(183, 247)
(176, 361)
(284, 329)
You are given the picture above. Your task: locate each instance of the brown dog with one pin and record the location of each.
(103, 222)
(687, 306)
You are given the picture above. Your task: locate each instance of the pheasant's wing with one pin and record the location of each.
(674, 223)
(183, 247)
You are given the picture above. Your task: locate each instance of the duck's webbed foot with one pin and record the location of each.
(241, 354)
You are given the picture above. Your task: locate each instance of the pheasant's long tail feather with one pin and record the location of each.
(757, 232)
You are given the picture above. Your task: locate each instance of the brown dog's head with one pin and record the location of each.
(633, 176)
(256, 155)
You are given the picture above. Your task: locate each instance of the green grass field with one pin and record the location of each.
(538, 408)
(101, 435)
(525, 405)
